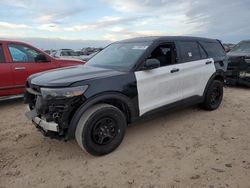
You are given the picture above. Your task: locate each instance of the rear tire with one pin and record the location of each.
(101, 129)
(213, 96)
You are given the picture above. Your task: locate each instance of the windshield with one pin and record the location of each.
(242, 47)
(120, 56)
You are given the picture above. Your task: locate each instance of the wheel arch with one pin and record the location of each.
(116, 99)
(218, 75)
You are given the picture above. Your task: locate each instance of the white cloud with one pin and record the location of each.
(166, 17)
(84, 27)
(110, 19)
(11, 35)
(116, 29)
(102, 23)
(49, 27)
(16, 3)
(45, 12)
(125, 34)
(45, 19)
(147, 6)
(125, 6)
(7, 25)
(118, 19)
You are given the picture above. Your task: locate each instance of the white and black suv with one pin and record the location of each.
(129, 79)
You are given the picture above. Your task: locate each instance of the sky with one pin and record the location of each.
(54, 23)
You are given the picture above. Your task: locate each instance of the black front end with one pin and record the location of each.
(50, 111)
(238, 71)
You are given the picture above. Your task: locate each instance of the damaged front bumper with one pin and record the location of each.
(40, 123)
(238, 72)
(238, 78)
(51, 117)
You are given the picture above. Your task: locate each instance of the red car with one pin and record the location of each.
(19, 60)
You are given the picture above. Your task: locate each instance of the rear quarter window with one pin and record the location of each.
(2, 59)
(189, 51)
(213, 49)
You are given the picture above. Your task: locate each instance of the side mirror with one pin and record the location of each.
(152, 64)
(40, 58)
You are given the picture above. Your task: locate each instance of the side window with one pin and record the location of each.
(189, 51)
(203, 53)
(2, 59)
(22, 53)
(165, 54)
(214, 49)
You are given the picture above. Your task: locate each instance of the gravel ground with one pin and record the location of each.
(187, 148)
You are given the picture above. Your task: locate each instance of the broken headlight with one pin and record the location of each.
(60, 93)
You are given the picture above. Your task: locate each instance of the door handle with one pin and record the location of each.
(208, 62)
(20, 68)
(174, 70)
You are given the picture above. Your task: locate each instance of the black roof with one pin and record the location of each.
(162, 38)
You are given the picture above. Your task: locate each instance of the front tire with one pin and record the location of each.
(213, 96)
(101, 129)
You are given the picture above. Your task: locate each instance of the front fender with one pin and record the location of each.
(94, 100)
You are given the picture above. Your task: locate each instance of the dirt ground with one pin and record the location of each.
(187, 148)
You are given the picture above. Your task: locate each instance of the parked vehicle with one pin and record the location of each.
(88, 57)
(238, 71)
(79, 53)
(228, 47)
(18, 60)
(66, 54)
(47, 51)
(89, 50)
(126, 81)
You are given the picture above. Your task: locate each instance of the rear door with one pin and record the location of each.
(6, 81)
(195, 67)
(24, 63)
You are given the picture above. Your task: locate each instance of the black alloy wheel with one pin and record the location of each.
(101, 129)
(104, 131)
(213, 95)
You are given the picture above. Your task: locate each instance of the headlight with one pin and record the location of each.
(59, 93)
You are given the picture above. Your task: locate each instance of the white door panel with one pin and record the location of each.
(195, 76)
(158, 87)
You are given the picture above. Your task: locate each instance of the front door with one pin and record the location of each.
(25, 63)
(161, 86)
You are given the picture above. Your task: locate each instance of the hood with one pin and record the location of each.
(238, 54)
(64, 77)
(237, 58)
